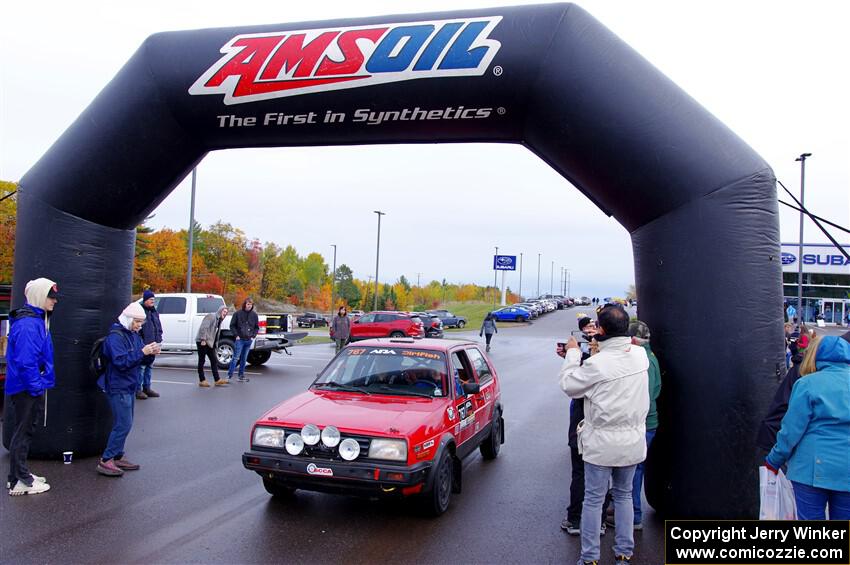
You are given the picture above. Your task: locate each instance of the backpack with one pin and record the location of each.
(97, 359)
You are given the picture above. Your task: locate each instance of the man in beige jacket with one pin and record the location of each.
(611, 439)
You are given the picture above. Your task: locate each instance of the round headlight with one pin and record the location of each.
(294, 444)
(349, 449)
(310, 434)
(330, 436)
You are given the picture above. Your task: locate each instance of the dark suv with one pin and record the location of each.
(432, 323)
(449, 320)
(386, 324)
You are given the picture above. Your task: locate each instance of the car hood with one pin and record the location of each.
(356, 413)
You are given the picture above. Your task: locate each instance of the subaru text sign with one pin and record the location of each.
(504, 262)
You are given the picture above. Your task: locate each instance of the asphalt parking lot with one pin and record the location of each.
(193, 502)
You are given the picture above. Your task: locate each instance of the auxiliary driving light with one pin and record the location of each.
(310, 434)
(349, 449)
(330, 436)
(294, 444)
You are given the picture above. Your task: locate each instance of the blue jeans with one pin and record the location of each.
(241, 347)
(122, 422)
(637, 483)
(145, 377)
(812, 502)
(595, 486)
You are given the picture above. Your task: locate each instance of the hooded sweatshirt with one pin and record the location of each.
(29, 356)
(210, 327)
(814, 433)
(245, 323)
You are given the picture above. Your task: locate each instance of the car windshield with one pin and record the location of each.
(387, 370)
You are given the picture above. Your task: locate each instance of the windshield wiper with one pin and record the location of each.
(346, 388)
(403, 392)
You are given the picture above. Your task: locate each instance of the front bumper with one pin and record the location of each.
(367, 478)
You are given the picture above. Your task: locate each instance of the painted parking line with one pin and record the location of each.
(171, 382)
(167, 368)
(285, 365)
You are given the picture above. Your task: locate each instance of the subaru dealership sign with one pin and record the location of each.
(821, 258)
(504, 262)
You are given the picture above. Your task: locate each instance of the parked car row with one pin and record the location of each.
(532, 308)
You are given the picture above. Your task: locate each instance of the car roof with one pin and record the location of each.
(411, 343)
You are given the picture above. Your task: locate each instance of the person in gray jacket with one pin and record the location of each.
(488, 328)
(341, 328)
(206, 342)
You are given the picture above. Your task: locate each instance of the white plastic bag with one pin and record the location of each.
(777, 496)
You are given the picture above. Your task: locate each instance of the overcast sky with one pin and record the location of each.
(775, 72)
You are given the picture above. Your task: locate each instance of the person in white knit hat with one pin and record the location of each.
(29, 373)
(124, 351)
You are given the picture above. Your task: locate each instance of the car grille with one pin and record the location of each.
(320, 451)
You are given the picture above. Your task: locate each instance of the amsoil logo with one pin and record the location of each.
(263, 66)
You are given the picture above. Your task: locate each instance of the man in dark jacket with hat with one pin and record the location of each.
(244, 324)
(151, 332)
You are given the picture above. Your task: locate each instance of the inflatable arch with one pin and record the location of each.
(699, 203)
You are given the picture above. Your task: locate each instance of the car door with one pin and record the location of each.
(175, 322)
(485, 400)
(464, 404)
(362, 326)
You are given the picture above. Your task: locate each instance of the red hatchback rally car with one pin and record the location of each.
(386, 417)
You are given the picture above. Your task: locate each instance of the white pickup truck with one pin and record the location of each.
(181, 315)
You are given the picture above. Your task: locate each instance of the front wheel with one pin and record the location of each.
(460, 324)
(437, 500)
(492, 443)
(520, 319)
(278, 490)
(224, 353)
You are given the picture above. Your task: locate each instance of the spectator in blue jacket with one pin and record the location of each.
(29, 373)
(813, 439)
(151, 332)
(124, 351)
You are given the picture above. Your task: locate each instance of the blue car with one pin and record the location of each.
(511, 314)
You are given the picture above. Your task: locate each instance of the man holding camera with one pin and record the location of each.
(612, 440)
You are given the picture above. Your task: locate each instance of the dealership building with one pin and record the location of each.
(826, 281)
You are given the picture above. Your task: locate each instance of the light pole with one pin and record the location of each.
(568, 283)
(495, 284)
(520, 276)
(802, 159)
(333, 283)
(191, 231)
(377, 257)
(538, 274)
(552, 278)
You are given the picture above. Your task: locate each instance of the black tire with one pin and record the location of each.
(397, 334)
(460, 324)
(278, 490)
(437, 500)
(224, 352)
(493, 443)
(520, 319)
(257, 358)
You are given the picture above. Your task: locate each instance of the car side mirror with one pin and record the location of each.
(471, 388)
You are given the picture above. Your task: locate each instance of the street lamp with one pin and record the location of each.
(191, 231)
(520, 276)
(802, 159)
(333, 282)
(552, 278)
(538, 274)
(495, 284)
(377, 256)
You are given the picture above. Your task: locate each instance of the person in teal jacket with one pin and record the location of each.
(815, 435)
